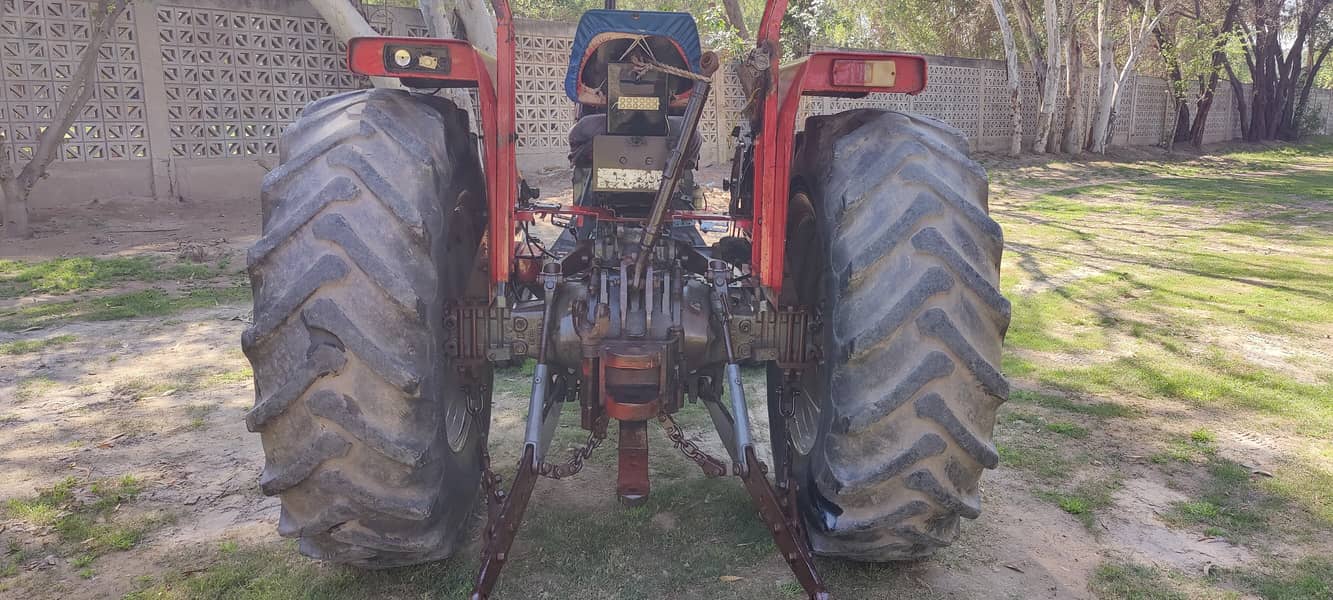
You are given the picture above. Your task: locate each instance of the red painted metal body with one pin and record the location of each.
(633, 380)
(496, 90)
(502, 168)
(774, 148)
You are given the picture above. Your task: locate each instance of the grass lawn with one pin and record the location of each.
(1172, 324)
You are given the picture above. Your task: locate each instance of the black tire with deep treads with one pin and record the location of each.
(371, 225)
(913, 323)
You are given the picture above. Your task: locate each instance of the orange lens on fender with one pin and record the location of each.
(865, 73)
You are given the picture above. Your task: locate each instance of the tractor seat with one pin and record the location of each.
(591, 126)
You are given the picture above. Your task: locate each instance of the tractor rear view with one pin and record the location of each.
(396, 269)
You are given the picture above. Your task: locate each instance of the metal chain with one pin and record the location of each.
(575, 463)
(712, 467)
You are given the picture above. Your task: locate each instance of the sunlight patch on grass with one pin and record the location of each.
(146, 303)
(82, 273)
(1097, 409)
(1196, 447)
(1306, 481)
(1217, 379)
(1310, 578)
(241, 375)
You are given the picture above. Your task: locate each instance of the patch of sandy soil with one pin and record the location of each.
(131, 226)
(89, 425)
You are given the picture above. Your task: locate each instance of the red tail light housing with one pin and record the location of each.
(420, 60)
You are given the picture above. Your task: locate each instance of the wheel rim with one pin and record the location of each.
(804, 253)
(458, 412)
(456, 425)
(806, 411)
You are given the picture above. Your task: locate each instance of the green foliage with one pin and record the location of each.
(1067, 429)
(565, 554)
(145, 303)
(1309, 578)
(1044, 460)
(1309, 121)
(30, 346)
(81, 273)
(717, 34)
(947, 27)
(1191, 47)
(1084, 499)
(1097, 409)
(89, 527)
(1232, 504)
(1132, 581)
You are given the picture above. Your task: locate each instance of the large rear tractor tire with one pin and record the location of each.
(913, 324)
(372, 225)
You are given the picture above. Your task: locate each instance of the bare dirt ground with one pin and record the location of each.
(161, 399)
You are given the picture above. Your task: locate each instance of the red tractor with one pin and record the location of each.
(396, 269)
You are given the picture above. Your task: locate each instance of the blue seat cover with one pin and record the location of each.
(679, 27)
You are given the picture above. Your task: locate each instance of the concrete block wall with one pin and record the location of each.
(192, 95)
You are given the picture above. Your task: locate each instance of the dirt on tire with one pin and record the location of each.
(370, 230)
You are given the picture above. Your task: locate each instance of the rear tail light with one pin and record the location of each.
(865, 73)
(405, 57)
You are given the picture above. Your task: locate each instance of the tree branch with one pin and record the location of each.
(82, 84)
(1034, 46)
(736, 18)
(346, 24)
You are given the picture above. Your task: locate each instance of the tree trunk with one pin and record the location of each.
(478, 24)
(1180, 103)
(1073, 137)
(439, 18)
(15, 207)
(736, 17)
(81, 84)
(1014, 77)
(1033, 43)
(1046, 107)
(1238, 94)
(1316, 63)
(1202, 107)
(1287, 90)
(1103, 127)
(347, 23)
(1219, 60)
(1274, 52)
(1106, 79)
